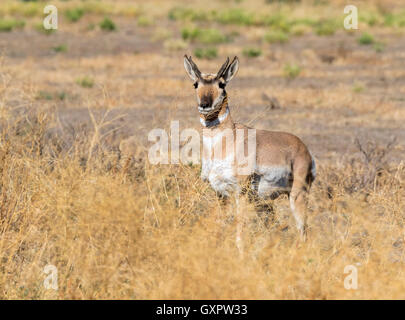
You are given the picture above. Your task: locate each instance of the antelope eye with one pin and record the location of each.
(221, 85)
(195, 85)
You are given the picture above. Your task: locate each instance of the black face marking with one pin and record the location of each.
(206, 101)
(195, 85)
(222, 85)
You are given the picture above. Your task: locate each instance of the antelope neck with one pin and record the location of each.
(218, 120)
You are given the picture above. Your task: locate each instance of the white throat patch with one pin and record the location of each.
(216, 121)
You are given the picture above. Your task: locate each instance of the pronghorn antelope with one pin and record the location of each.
(282, 164)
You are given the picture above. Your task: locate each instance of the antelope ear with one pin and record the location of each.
(231, 70)
(191, 68)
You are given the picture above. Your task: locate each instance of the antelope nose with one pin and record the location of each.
(205, 105)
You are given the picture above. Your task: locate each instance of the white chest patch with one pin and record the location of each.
(220, 172)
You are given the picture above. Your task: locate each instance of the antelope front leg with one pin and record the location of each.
(240, 220)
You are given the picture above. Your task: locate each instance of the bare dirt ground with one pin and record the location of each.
(319, 106)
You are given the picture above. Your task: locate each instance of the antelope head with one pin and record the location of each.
(210, 88)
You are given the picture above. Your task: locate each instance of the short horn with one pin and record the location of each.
(195, 68)
(233, 60)
(223, 68)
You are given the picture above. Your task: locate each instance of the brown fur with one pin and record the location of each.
(273, 150)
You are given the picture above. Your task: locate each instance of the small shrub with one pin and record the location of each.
(144, 21)
(44, 95)
(235, 16)
(60, 48)
(74, 15)
(325, 28)
(179, 13)
(40, 28)
(31, 10)
(369, 18)
(365, 39)
(375, 160)
(291, 71)
(299, 30)
(252, 52)
(10, 24)
(278, 22)
(107, 25)
(358, 88)
(205, 36)
(61, 96)
(190, 33)
(85, 82)
(275, 36)
(206, 53)
(274, 20)
(212, 36)
(389, 20)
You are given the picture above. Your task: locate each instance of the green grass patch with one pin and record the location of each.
(369, 18)
(235, 16)
(85, 82)
(108, 25)
(291, 71)
(278, 22)
(31, 9)
(305, 22)
(252, 52)
(358, 88)
(281, 19)
(299, 30)
(46, 95)
(366, 39)
(206, 53)
(276, 36)
(394, 20)
(74, 15)
(326, 28)
(40, 28)
(186, 14)
(8, 25)
(60, 48)
(205, 36)
(61, 96)
(144, 21)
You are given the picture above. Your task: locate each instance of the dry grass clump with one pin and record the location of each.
(143, 232)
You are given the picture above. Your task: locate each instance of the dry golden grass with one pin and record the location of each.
(139, 231)
(159, 232)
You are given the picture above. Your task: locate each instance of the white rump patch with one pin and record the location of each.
(313, 168)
